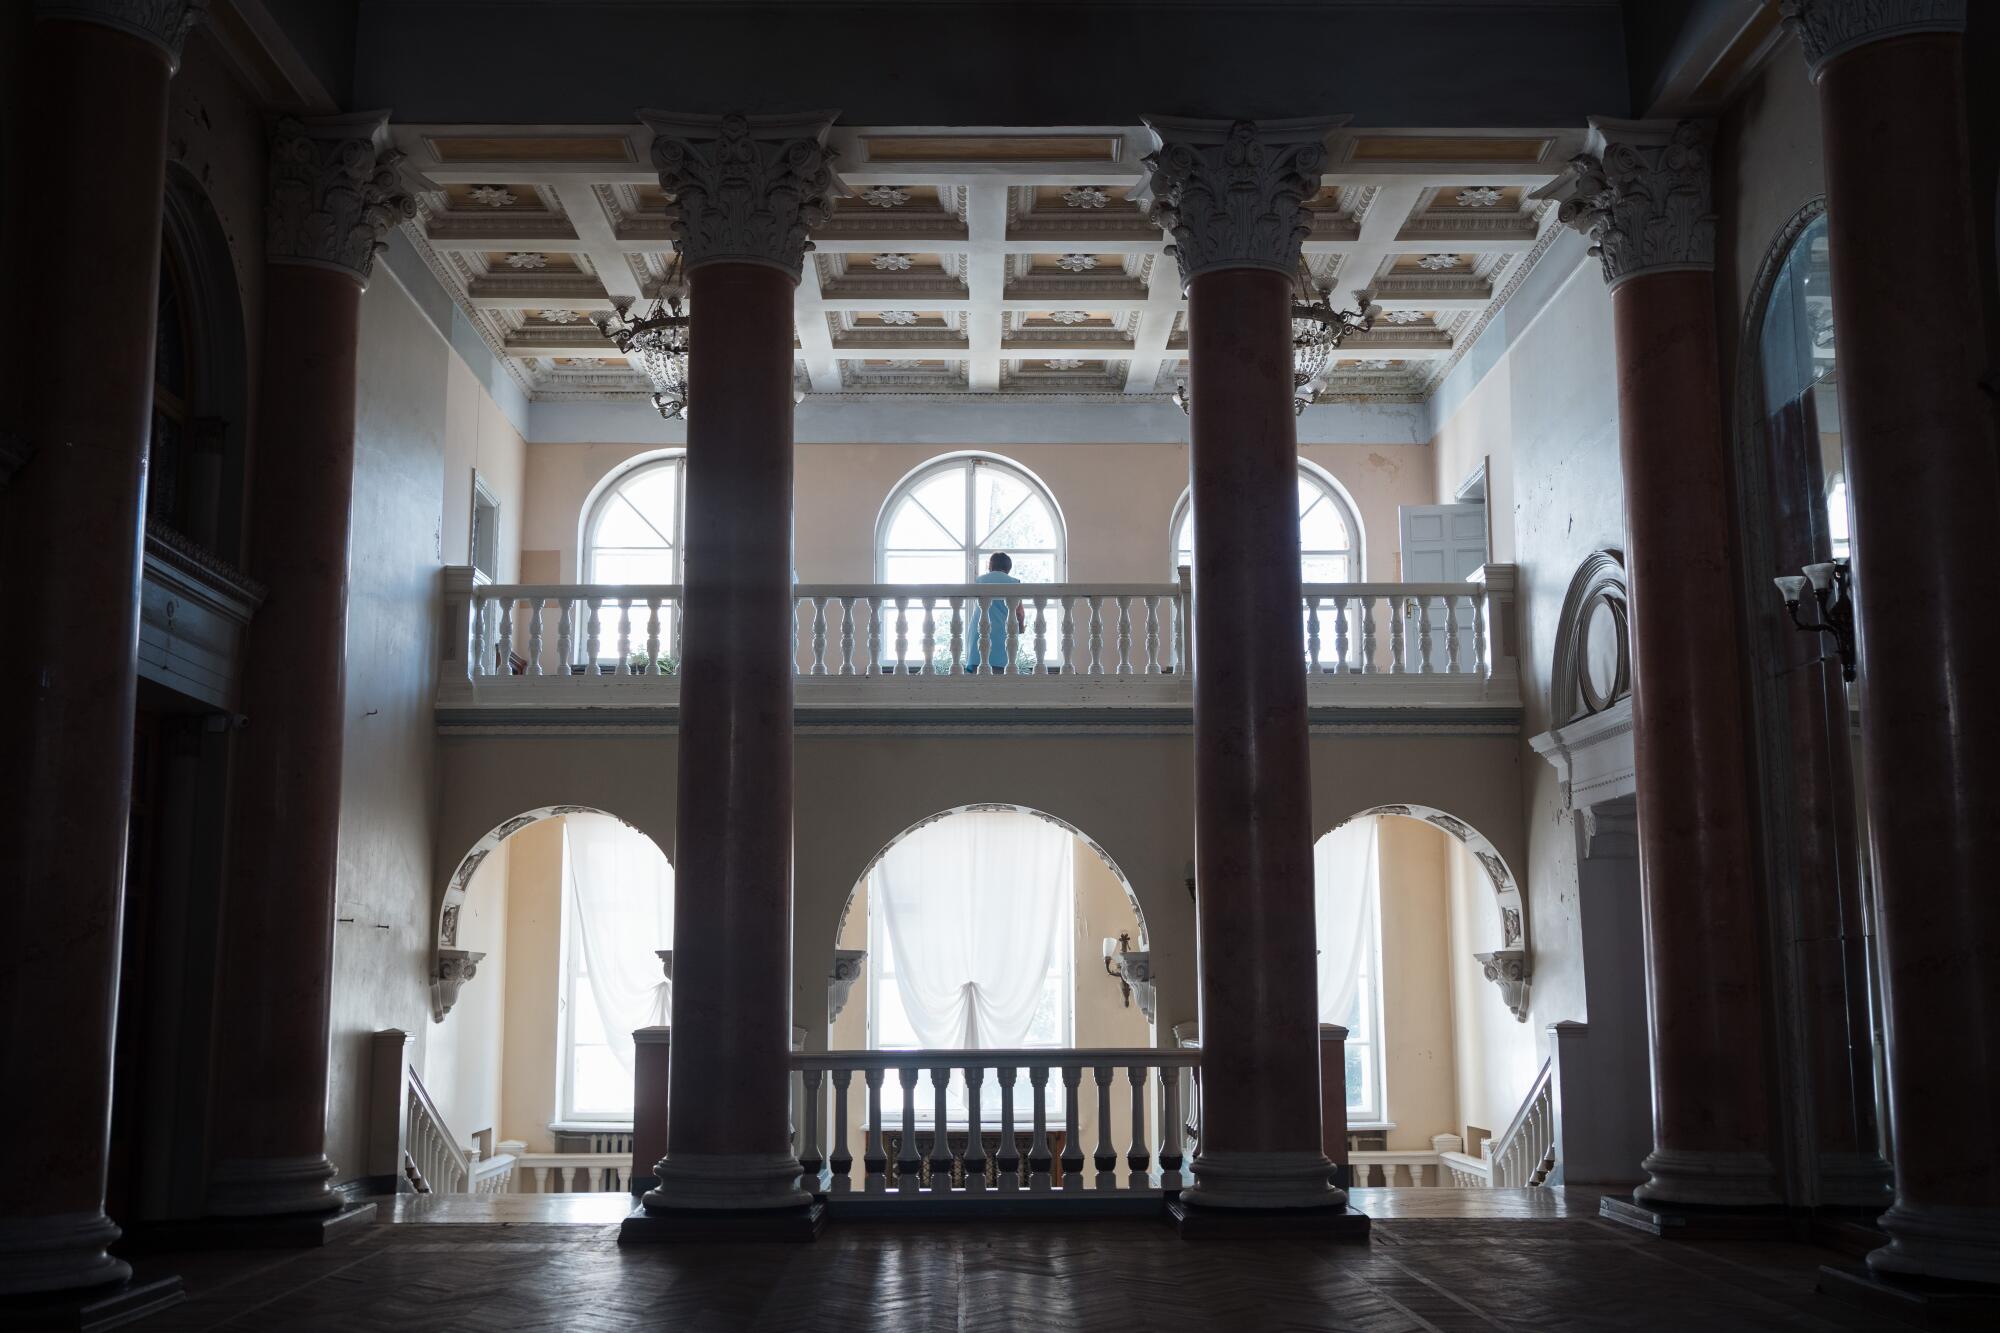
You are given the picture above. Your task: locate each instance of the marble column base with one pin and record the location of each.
(58, 1253)
(1263, 1180)
(272, 1186)
(727, 1182)
(1855, 1180)
(1709, 1179)
(87, 1309)
(1955, 1243)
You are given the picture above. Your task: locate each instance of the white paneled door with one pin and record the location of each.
(1441, 544)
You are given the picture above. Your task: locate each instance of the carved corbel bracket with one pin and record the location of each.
(1508, 969)
(454, 967)
(1136, 966)
(847, 968)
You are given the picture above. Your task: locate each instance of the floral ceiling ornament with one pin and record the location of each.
(1376, 365)
(1085, 196)
(899, 316)
(1405, 316)
(1438, 263)
(335, 192)
(528, 260)
(1063, 363)
(1478, 196)
(904, 363)
(1069, 316)
(885, 196)
(744, 188)
(493, 196)
(891, 263)
(1077, 263)
(559, 317)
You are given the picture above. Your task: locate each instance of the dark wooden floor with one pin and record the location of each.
(1500, 1263)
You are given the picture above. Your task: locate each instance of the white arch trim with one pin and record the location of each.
(607, 484)
(1358, 528)
(909, 479)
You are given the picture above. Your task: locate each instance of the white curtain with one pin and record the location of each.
(1344, 873)
(622, 890)
(976, 907)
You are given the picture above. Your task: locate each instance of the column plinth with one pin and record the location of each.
(1919, 437)
(333, 198)
(1232, 195)
(89, 121)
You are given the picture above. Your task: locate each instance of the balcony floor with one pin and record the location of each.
(1440, 1260)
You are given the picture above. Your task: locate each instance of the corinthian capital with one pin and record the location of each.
(164, 23)
(746, 189)
(1827, 28)
(334, 192)
(1232, 194)
(1644, 197)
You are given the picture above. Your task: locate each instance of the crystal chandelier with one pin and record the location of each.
(658, 342)
(1318, 329)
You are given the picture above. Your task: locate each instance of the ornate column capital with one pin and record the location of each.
(1644, 196)
(1232, 194)
(164, 23)
(334, 192)
(745, 189)
(1828, 28)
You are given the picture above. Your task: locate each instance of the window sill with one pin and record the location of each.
(590, 1126)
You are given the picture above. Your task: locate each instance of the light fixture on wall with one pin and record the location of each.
(1114, 962)
(1133, 969)
(1833, 592)
(1318, 329)
(659, 341)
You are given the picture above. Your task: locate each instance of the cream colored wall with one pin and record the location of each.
(1117, 501)
(1496, 1055)
(462, 1061)
(479, 437)
(1417, 1019)
(533, 980)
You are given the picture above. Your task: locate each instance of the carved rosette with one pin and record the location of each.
(1233, 194)
(164, 23)
(1828, 28)
(334, 192)
(1645, 201)
(744, 189)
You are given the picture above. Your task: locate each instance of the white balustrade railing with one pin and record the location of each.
(434, 1163)
(572, 1172)
(1523, 1155)
(973, 1124)
(1367, 629)
(1388, 1168)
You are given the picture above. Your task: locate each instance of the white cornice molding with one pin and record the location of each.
(1232, 194)
(1593, 756)
(1827, 29)
(1644, 196)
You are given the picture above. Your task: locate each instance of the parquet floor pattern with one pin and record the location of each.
(1419, 1273)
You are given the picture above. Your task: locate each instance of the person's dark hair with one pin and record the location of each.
(1000, 562)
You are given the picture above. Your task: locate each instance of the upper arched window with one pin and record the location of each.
(633, 526)
(1329, 534)
(945, 519)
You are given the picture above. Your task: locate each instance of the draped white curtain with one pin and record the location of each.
(1344, 873)
(975, 906)
(622, 890)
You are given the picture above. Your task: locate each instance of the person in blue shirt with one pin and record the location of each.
(993, 645)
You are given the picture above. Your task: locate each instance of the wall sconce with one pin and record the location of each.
(1114, 962)
(1833, 593)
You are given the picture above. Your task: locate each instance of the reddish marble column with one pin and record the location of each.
(1918, 430)
(1643, 197)
(1260, 1113)
(89, 124)
(333, 197)
(746, 189)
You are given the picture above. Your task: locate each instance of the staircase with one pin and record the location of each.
(410, 1146)
(1523, 1156)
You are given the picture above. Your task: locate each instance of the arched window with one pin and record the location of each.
(944, 520)
(1329, 534)
(1347, 894)
(633, 525)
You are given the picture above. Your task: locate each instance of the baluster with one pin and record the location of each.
(1040, 664)
(1138, 1156)
(928, 666)
(1312, 635)
(565, 652)
(1339, 634)
(1124, 636)
(847, 636)
(1007, 1155)
(1424, 636)
(811, 1159)
(1399, 655)
(503, 657)
(473, 629)
(841, 1158)
(874, 1159)
(975, 1150)
(958, 662)
(1180, 635)
(1013, 660)
(1072, 1157)
(679, 614)
(1152, 636)
(819, 636)
(1038, 1147)
(902, 633)
(1066, 621)
(909, 1165)
(593, 631)
(1479, 645)
(1368, 663)
(940, 1132)
(1170, 1112)
(875, 635)
(652, 635)
(1106, 1157)
(624, 637)
(1096, 634)
(1451, 662)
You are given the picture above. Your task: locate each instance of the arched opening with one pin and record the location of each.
(548, 959)
(632, 532)
(945, 520)
(1330, 534)
(1423, 959)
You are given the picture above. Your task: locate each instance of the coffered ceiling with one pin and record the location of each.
(1010, 262)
